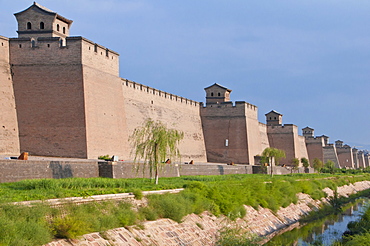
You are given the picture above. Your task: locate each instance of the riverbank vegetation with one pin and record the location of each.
(226, 194)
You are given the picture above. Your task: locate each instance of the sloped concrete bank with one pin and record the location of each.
(203, 229)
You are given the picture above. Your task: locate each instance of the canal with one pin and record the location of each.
(322, 232)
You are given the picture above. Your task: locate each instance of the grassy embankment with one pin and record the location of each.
(21, 225)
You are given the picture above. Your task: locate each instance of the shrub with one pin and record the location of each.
(105, 157)
(69, 227)
(138, 194)
(235, 236)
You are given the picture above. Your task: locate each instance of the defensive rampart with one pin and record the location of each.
(9, 142)
(16, 170)
(142, 102)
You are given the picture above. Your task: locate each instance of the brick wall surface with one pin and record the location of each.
(315, 149)
(345, 157)
(330, 153)
(9, 142)
(142, 102)
(106, 126)
(16, 170)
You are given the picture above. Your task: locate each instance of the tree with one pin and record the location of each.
(330, 166)
(317, 164)
(295, 163)
(305, 162)
(272, 155)
(153, 144)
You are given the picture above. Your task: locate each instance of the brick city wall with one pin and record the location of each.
(9, 142)
(106, 127)
(16, 170)
(315, 148)
(345, 157)
(231, 132)
(330, 153)
(286, 137)
(143, 102)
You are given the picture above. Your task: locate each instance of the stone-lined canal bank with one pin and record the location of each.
(203, 229)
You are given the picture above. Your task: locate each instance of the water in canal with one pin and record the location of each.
(322, 232)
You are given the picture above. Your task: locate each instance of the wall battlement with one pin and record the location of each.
(230, 104)
(51, 51)
(146, 90)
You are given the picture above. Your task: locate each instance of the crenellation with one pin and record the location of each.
(158, 93)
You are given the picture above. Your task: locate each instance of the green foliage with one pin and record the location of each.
(153, 144)
(138, 194)
(329, 167)
(21, 225)
(224, 194)
(105, 157)
(305, 162)
(295, 164)
(317, 164)
(146, 213)
(170, 206)
(69, 227)
(274, 155)
(236, 237)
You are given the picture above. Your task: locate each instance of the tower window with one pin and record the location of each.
(211, 94)
(64, 30)
(29, 25)
(219, 94)
(42, 25)
(58, 27)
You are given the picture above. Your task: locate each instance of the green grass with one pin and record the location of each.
(42, 189)
(226, 194)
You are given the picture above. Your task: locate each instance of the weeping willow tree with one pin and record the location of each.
(272, 156)
(153, 144)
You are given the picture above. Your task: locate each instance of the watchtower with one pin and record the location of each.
(217, 94)
(274, 118)
(38, 21)
(308, 132)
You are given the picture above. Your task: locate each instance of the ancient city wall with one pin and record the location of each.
(263, 136)
(225, 132)
(315, 148)
(48, 87)
(16, 170)
(97, 56)
(286, 137)
(345, 157)
(330, 153)
(282, 137)
(302, 149)
(361, 160)
(9, 142)
(143, 102)
(106, 129)
(254, 140)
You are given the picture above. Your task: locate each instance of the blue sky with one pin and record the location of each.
(307, 59)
